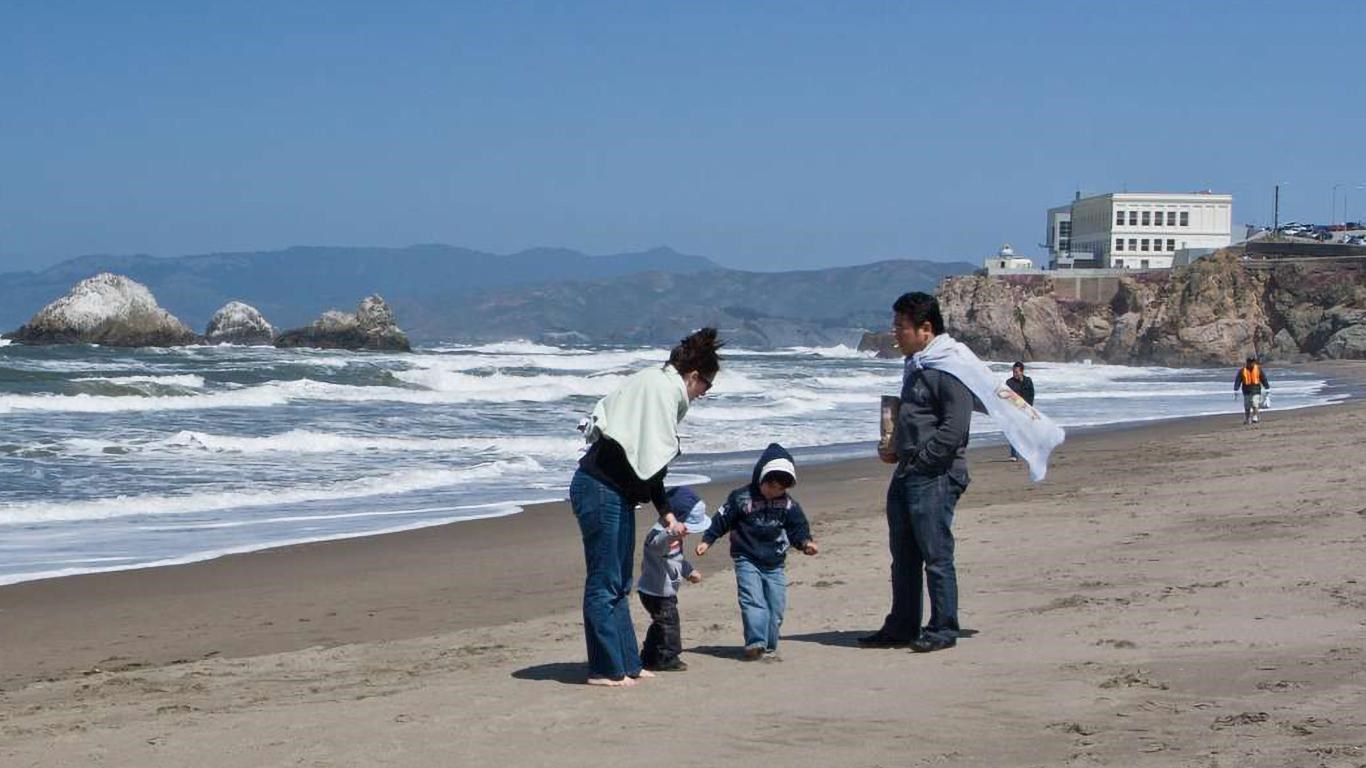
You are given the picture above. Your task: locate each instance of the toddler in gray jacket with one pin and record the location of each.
(662, 569)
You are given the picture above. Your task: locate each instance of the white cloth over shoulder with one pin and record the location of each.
(642, 415)
(1032, 434)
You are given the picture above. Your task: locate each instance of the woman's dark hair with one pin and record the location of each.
(697, 352)
(919, 307)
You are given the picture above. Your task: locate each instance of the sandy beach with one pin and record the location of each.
(1181, 594)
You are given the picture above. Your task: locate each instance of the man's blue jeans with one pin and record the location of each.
(763, 600)
(608, 524)
(920, 529)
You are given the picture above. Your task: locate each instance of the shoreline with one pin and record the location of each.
(1346, 379)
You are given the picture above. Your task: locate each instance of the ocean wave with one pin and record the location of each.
(258, 397)
(190, 380)
(562, 360)
(153, 505)
(501, 510)
(498, 386)
(837, 352)
(305, 441)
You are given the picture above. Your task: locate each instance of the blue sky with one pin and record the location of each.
(763, 135)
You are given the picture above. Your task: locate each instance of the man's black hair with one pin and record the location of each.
(1018, 364)
(920, 307)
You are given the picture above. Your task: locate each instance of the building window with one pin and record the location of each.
(1145, 218)
(1143, 244)
(1133, 218)
(1133, 244)
(1119, 218)
(1171, 218)
(1144, 264)
(1171, 245)
(1185, 218)
(1119, 244)
(1119, 263)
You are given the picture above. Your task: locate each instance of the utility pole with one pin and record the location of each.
(1276, 210)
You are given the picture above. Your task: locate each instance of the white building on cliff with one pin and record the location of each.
(1005, 260)
(1144, 230)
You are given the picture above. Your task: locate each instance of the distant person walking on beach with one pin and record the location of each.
(633, 435)
(1023, 386)
(1251, 379)
(930, 447)
(763, 521)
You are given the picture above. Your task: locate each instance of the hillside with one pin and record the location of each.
(292, 286)
(440, 292)
(753, 309)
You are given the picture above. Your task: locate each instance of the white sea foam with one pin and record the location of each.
(305, 441)
(839, 352)
(501, 387)
(258, 397)
(561, 360)
(176, 380)
(156, 505)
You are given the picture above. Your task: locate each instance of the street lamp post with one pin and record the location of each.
(1345, 218)
(1333, 212)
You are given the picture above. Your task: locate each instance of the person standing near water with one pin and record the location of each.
(1251, 379)
(633, 435)
(1023, 386)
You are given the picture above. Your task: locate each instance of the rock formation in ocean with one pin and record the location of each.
(238, 323)
(372, 326)
(106, 309)
(1214, 312)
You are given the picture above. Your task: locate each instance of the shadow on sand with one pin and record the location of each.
(732, 652)
(569, 673)
(844, 638)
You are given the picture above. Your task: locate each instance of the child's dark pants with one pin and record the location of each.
(664, 638)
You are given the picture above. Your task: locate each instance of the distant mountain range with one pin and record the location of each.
(442, 292)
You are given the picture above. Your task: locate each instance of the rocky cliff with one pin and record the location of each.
(1214, 312)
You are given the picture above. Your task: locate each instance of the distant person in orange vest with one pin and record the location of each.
(1251, 379)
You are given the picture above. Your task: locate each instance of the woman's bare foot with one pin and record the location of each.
(644, 673)
(608, 682)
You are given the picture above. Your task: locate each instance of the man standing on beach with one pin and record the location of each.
(1023, 386)
(1251, 379)
(929, 449)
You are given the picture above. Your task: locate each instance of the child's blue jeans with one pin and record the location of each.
(763, 600)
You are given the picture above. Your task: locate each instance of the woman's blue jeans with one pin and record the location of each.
(608, 524)
(763, 600)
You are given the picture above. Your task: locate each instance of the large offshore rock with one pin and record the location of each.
(106, 309)
(372, 326)
(238, 323)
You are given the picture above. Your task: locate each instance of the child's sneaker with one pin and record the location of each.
(754, 652)
(771, 656)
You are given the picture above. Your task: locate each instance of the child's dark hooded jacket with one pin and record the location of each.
(760, 530)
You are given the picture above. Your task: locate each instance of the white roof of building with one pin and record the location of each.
(1210, 197)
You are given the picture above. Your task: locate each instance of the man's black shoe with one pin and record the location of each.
(924, 644)
(880, 639)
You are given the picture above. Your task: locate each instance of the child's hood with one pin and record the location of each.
(772, 452)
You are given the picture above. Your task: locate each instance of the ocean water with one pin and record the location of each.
(113, 458)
